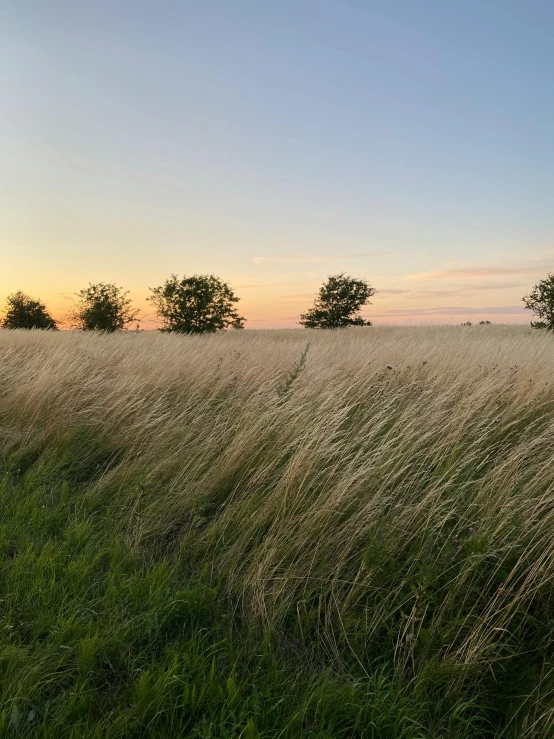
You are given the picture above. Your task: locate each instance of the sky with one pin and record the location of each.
(276, 142)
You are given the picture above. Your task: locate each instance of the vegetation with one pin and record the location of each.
(541, 302)
(339, 303)
(206, 304)
(240, 535)
(24, 312)
(195, 305)
(103, 307)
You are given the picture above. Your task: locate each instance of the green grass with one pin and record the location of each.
(103, 638)
(99, 638)
(234, 537)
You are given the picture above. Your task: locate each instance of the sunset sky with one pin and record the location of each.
(275, 142)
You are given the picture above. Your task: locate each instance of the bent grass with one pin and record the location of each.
(185, 554)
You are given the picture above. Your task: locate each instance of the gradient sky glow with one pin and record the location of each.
(274, 142)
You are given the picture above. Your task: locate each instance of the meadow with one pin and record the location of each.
(277, 534)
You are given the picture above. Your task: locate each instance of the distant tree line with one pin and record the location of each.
(190, 305)
(197, 304)
(205, 304)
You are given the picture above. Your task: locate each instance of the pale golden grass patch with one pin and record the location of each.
(398, 484)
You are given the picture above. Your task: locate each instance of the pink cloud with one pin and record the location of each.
(469, 272)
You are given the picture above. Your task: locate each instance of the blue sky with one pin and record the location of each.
(274, 143)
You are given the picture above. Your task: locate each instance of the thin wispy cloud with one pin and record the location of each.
(470, 272)
(497, 286)
(505, 310)
(298, 298)
(454, 292)
(314, 260)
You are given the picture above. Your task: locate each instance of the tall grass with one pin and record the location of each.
(360, 522)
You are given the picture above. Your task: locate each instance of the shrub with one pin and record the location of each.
(338, 303)
(541, 302)
(196, 304)
(25, 312)
(103, 307)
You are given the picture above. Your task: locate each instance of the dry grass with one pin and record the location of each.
(381, 495)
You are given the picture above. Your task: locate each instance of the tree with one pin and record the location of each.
(541, 302)
(102, 307)
(338, 303)
(25, 312)
(196, 304)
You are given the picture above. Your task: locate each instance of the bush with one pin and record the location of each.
(197, 304)
(102, 307)
(338, 303)
(25, 312)
(541, 302)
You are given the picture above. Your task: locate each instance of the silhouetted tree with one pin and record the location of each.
(102, 307)
(541, 302)
(196, 304)
(338, 303)
(25, 312)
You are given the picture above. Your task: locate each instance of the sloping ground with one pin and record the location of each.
(277, 534)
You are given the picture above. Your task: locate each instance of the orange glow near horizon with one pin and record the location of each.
(425, 299)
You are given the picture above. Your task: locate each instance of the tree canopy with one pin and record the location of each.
(339, 303)
(102, 307)
(196, 304)
(541, 302)
(25, 312)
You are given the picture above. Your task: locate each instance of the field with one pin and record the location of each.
(277, 534)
